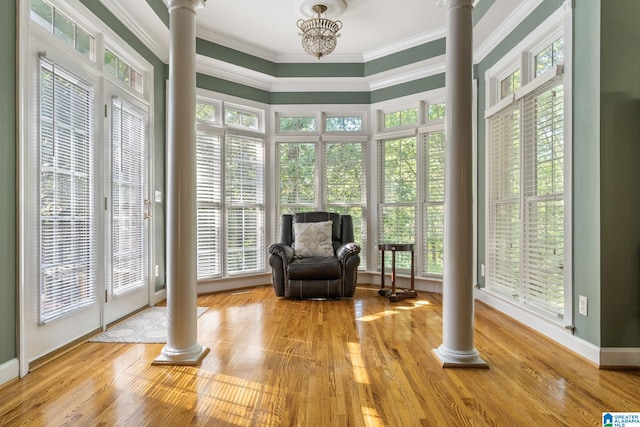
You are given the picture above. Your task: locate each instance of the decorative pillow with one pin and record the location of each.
(312, 239)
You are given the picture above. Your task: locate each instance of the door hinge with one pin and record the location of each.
(105, 111)
(105, 204)
(106, 298)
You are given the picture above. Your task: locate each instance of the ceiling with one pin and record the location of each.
(267, 28)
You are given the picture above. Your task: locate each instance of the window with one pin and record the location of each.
(243, 118)
(326, 173)
(510, 84)
(400, 118)
(244, 191)
(435, 111)
(343, 123)
(230, 192)
(526, 199)
(67, 220)
(411, 191)
(118, 68)
(297, 124)
(398, 184)
(62, 27)
(550, 56)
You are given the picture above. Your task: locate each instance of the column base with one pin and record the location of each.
(459, 359)
(172, 357)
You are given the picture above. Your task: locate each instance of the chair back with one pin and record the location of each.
(342, 231)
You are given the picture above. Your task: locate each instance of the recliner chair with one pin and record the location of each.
(315, 258)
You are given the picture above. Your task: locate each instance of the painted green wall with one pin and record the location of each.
(586, 168)
(620, 173)
(8, 181)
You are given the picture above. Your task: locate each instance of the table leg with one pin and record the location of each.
(382, 291)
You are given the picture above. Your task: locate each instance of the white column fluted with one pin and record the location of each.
(457, 348)
(182, 347)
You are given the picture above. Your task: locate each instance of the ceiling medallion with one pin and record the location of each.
(319, 33)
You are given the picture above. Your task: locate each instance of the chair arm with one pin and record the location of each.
(283, 251)
(347, 250)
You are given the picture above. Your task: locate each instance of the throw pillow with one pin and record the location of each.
(312, 239)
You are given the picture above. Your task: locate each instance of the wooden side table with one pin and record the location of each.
(392, 294)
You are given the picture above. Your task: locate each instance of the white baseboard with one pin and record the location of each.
(160, 295)
(546, 327)
(233, 283)
(611, 357)
(9, 370)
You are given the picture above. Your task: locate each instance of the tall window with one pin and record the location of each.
(67, 220)
(526, 195)
(411, 192)
(324, 175)
(230, 190)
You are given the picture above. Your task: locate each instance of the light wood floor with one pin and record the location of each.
(356, 362)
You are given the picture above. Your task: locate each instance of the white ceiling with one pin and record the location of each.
(267, 28)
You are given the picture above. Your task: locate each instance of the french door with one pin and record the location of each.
(87, 209)
(128, 207)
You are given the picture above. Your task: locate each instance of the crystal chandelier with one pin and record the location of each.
(319, 33)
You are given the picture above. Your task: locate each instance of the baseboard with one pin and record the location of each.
(613, 358)
(160, 295)
(543, 326)
(9, 370)
(233, 283)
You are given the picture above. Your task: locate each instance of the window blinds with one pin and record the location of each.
(433, 202)
(244, 195)
(209, 203)
(526, 185)
(128, 159)
(67, 223)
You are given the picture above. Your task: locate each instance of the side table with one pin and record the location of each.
(392, 294)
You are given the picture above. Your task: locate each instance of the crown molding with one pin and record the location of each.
(408, 73)
(233, 73)
(389, 49)
(159, 46)
(505, 28)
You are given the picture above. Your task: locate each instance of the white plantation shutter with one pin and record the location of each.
(244, 194)
(543, 198)
(66, 214)
(128, 159)
(526, 198)
(504, 201)
(209, 202)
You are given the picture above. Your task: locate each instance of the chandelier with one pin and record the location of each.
(319, 33)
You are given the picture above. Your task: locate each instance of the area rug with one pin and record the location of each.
(148, 326)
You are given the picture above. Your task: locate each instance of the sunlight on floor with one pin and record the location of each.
(359, 368)
(415, 304)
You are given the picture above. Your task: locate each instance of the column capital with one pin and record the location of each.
(189, 4)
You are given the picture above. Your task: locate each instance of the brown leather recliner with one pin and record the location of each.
(332, 274)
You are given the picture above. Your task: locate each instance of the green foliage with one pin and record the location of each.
(297, 124)
(206, 112)
(401, 118)
(436, 111)
(343, 124)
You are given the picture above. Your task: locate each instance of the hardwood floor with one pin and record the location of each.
(357, 362)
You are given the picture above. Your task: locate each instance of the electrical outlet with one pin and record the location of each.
(582, 308)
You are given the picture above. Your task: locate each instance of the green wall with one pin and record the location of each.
(620, 173)
(586, 168)
(8, 181)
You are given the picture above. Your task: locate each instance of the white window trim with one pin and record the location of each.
(559, 23)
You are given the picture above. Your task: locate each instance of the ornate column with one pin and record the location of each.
(457, 349)
(182, 347)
